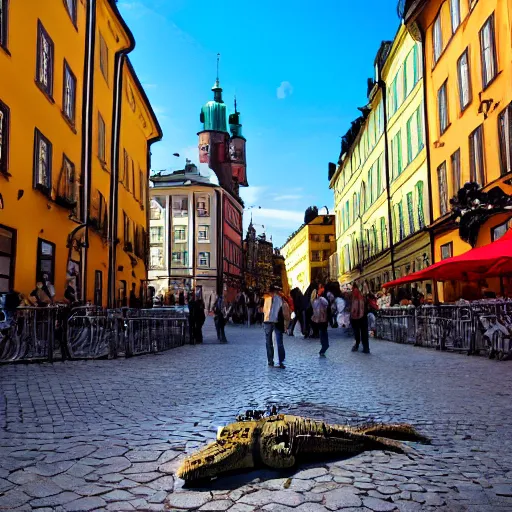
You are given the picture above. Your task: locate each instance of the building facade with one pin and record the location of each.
(60, 143)
(468, 72)
(258, 261)
(186, 235)
(306, 253)
(381, 181)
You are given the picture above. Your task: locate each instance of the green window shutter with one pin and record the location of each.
(383, 232)
(399, 153)
(370, 186)
(410, 213)
(415, 63)
(419, 125)
(421, 214)
(409, 140)
(379, 177)
(401, 220)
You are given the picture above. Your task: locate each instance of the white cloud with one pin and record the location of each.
(284, 90)
(251, 195)
(288, 197)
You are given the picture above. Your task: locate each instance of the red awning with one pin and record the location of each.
(492, 260)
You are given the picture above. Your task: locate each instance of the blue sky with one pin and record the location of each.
(298, 70)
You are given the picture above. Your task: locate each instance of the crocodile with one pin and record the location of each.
(280, 440)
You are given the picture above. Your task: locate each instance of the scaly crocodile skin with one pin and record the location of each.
(278, 441)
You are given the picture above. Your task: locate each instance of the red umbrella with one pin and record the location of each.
(491, 260)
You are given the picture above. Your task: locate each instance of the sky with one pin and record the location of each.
(298, 69)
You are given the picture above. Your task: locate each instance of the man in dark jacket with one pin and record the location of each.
(298, 309)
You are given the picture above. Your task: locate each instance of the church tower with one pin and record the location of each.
(223, 153)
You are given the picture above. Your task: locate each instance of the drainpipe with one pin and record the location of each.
(85, 176)
(382, 85)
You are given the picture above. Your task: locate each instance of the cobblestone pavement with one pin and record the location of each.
(109, 435)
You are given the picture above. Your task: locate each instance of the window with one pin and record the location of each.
(44, 61)
(7, 257)
(142, 188)
(4, 11)
(45, 269)
(156, 257)
(71, 7)
(410, 212)
(383, 233)
(127, 233)
(437, 38)
(447, 251)
(69, 94)
(102, 150)
(100, 213)
(347, 214)
(464, 80)
(180, 234)
(488, 52)
(401, 226)
(327, 238)
(476, 155)
(443, 188)
(4, 138)
(131, 185)
(419, 126)
(442, 108)
(370, 186)
(362, 198)
(178, 257)
(380, 169)
(180, 206)
(98, 288)
(315, 238)
(104, 58)
(419, 204)
(42, 163)
(505, 135)
(203, 234)
(355, 207)
(204, 259)
(155, 212)
(396, 155)
(315, 256)
(67, 182)
(496, 233)
(203, 206)
(455, 14)
(346, 258)
(156, 234)
(456, 178)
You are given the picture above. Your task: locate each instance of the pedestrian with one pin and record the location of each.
(196, 316)
(298, 309)
(275, 311)
(359, 319)
(133, 301)
(219, 319)
(251, 307)
(320, 318)
(373, 309)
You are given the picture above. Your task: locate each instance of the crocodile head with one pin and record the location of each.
(232, 451)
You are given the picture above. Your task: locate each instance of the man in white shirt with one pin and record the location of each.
(273, 321)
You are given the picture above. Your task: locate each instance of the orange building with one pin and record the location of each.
(61, 141)
(468, 94)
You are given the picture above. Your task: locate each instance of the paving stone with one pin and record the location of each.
(108, 452)
(79, 470)
(21, 477)
(387, 489)
(76, 453)
(119, 506)
(5, 485)
(45, 469)
(340, 498)
(217, 505)
(12, 499)
(502, 489)
(188, 500)
(85, 504)
(408, 506)
(112, 478)
(378, 505)
(264, 497)
(364, 485)
(41, 488)
(142, 456)
(165, 483)
(311, 507)
(158, 497)
(241, 507)
(307, 474)
(140, 467)
(117, 495)
(144, 478)
(55, 501)
(92, 490)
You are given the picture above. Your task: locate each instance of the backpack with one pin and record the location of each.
(320, 310)
(357, 308)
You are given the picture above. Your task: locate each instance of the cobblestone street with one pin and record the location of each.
(109, 435)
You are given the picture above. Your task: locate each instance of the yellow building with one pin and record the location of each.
(60, 140)
(307, 252)
(380, 184)
(468, 63)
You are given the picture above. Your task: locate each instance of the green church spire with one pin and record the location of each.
(213, 113)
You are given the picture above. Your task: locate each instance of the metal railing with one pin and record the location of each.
(89, 332)
(476, 327)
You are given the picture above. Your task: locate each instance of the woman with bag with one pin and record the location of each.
(359, 319)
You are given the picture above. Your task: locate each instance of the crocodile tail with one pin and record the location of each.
(397, 431)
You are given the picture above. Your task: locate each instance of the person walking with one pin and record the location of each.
(274, 313)
(219, 319)
(298, 309)
(320, 318)
(359, 319)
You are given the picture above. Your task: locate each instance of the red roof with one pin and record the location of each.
(491, 260)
